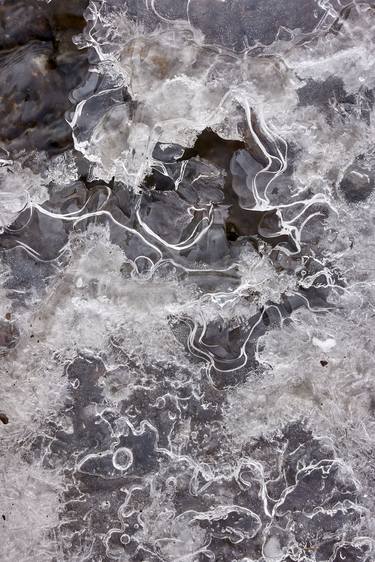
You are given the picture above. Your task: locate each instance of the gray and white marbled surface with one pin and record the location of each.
(187, 297)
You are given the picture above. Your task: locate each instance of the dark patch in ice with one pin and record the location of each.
(358, 181)
(5, 420)
(330, 97)
(39, 67)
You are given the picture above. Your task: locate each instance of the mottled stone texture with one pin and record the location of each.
(186, 281)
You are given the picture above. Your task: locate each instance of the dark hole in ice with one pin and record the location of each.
(213, 148)
(160, 182)
(324, 363)
(231, 231)
(4, 418)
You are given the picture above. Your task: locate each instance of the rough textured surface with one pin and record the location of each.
(187, 291)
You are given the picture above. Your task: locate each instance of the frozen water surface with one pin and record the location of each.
(187, 297)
